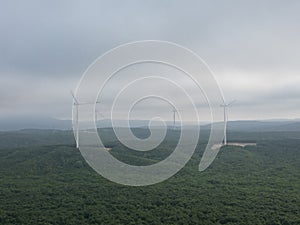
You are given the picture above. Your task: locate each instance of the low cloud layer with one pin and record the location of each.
(253, 48)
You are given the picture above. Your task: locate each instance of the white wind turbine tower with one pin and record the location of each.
(76, 125)
(225, 107)
(174, 111)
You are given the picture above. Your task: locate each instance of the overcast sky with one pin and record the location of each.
(253, 48)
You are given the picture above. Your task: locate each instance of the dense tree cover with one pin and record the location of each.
(52, 184)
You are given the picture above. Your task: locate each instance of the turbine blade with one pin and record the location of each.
(230, 103)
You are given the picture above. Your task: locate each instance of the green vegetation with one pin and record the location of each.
(46, 183)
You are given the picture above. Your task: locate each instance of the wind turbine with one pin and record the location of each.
(174, 111)
(76, 125)
(225, 107)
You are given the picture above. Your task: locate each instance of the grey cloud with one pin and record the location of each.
(46, 45)
(65, 36)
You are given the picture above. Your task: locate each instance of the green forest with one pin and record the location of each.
(45, 180)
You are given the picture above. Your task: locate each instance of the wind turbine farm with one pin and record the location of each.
(150, 133)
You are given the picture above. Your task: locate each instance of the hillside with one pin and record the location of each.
(45, 183)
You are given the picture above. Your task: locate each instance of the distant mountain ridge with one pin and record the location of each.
(262, 125)
(34, 122)
(10, 124)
